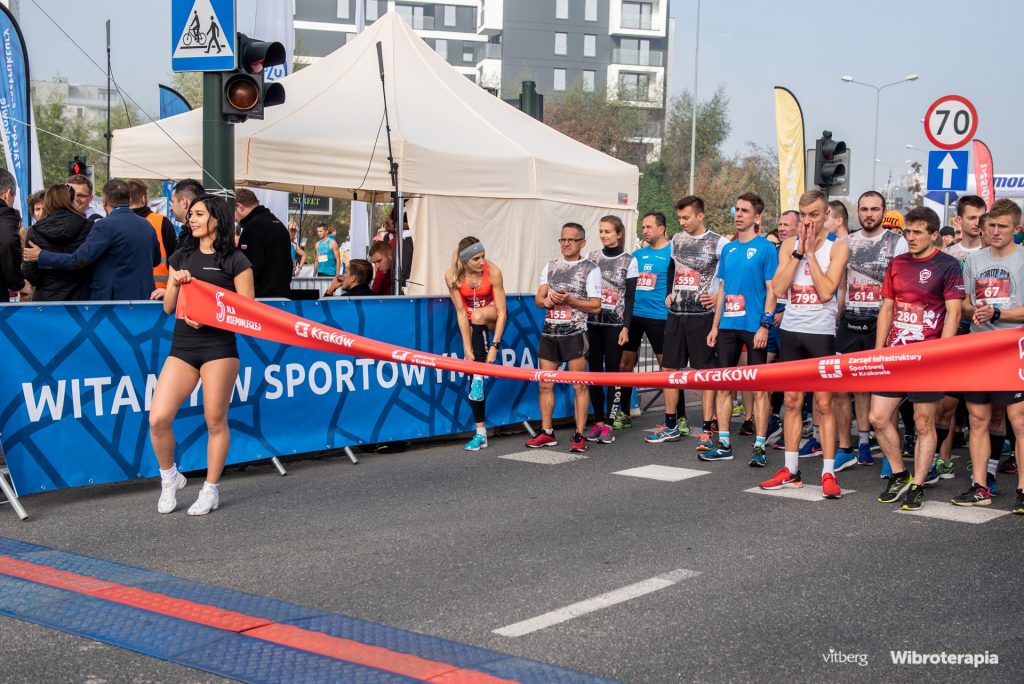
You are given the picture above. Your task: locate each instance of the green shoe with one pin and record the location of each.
(914, 499)
(944, 469)
(622, 421)
(738, 410)
(898, 485)
(683, 426)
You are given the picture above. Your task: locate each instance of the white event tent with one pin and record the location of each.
(468, 163)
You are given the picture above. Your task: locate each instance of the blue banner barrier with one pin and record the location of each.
(77, 380)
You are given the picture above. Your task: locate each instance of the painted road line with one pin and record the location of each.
(543, 457)
(975, 515)
(805, 493)
(663, 473)
(590, 605)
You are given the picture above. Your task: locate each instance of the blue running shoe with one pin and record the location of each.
(810, 448)
(886, 468)
(845, 458)
(774, 428)
(991, 483)
(476, 389)
(665, 434)
(477, 443)
(932, 478)
(721, 452)
(864, 457)
(758, 459)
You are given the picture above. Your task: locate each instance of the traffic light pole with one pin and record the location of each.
(218, 143)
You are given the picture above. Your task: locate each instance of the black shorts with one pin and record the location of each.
(854, 335)
(730, 346)
(652, 327)
(797, 346)
(197, 357)
(995, 398)
(563, 347)
(913, 397)
(686, 342)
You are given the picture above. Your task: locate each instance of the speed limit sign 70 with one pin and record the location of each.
(951, 122)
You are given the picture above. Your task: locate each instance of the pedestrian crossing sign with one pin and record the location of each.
(203, 35)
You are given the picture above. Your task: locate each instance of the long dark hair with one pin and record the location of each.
(224, 239)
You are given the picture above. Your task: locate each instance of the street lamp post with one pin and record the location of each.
(878, 95)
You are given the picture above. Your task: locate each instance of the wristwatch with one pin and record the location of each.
(797, 255)
(496, 345)
(996, 313)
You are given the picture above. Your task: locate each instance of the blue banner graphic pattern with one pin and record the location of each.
(77, 381)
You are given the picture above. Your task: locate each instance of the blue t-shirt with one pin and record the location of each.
(651, 288)
(745, 266)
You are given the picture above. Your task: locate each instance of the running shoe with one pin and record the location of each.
(783, 479)
(683, 426)
(810, 448)
(706, 441)
(593, 433)
(622, 421)
(886, 468)
(476, 389)
(578, 443)
(932, 478)
(169, 493)
(542, 439)
(975, 496)
(738, 410)
(944, 469)
(864, 457)
(747, 428)
(774, 427)
(1018, 505)
(758, 459)
(477, 443)
(808, 428)
(607, 436)
(845, 458)
(209, 500)
(897, 487)
(721, 452)
(1007, 447)
(829, 487)
(665, 434)
(779, 444)
(991, 483)
(1008, 465)
(913, 500)
(908, 446)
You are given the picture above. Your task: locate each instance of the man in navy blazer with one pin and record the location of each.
(121, 249)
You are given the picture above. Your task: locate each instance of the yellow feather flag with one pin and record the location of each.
(789, 135)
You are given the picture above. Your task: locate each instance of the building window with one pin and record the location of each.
(559, 80)
(588, 81)
(344, 11)
(589, 46)
(372, 10)
(561, 9)
(415, 16)
(467, 55)
(441, 47)
(590, 10)
(634, 87)
(449, 15)
(637, 15)
(561, 43)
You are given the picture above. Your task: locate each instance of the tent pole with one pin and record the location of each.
(396, 265)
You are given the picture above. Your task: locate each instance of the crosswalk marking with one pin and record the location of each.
(663, 473)
(544, 457)
(975, 515)
(805, 493)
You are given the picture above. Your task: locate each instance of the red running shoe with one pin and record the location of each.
(542, 439)
(578, 443)
(782, 479)
(829, 487)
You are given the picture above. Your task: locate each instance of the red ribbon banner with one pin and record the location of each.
(989, 361)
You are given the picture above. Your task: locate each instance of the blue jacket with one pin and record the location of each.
(122, 250)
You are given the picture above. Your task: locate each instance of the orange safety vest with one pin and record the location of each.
(159, 272)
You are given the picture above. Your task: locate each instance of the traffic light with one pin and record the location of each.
(77, 167)
(244, 92)
(831, 161)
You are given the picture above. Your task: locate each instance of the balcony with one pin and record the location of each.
(654, 58)
(488, 51)
(638, 22)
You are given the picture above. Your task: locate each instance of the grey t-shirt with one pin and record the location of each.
(989, 280)
(869, 259)
(696, 267)
(581, 279)
(615, 271)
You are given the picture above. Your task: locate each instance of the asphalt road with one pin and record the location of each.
(457, 545)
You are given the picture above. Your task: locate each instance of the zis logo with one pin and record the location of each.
(302, 329)
(545, 376)
(678, 378)
(221, 311)
(830, 369)
(399, 355)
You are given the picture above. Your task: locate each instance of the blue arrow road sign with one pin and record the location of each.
(203, 35)
(947, 170)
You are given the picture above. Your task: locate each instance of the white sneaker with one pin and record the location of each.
(209, 500)
(169, 493)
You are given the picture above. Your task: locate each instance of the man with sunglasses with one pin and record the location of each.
(570, 288)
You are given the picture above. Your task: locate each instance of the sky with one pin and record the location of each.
(746, 47)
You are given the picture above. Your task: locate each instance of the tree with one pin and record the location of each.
(592, 119)
(190, 85)
(59, 137)
(713, 129)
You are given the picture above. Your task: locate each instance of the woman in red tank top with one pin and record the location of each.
(477, 291)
